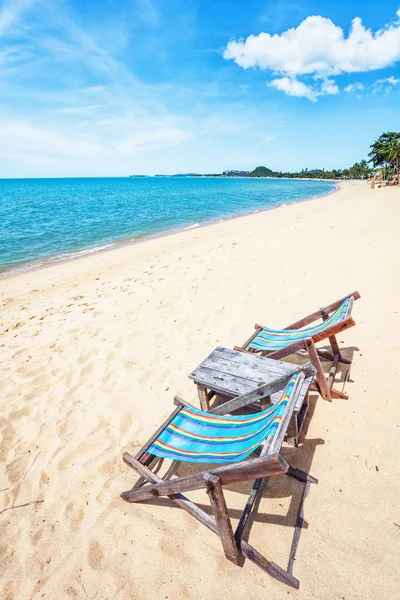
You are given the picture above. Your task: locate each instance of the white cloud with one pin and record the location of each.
(318, 46)
(353, 87)
(293, 87)
(385, 84)
(329, 87)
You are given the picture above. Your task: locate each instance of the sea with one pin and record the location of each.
(49, 220)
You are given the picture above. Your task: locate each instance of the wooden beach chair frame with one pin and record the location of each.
(268, 463)
(322, 384)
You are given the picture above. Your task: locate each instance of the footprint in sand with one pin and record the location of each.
(88, 369)
(75, 514)
(145, 377)
(16, 469)
(95, 555)
(84, 357)
(125, 423)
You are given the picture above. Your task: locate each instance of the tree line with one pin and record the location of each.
(384, 155)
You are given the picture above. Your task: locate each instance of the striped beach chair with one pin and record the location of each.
(303, 335)
(195, 436)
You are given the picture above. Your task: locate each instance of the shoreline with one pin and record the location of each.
(79, 254)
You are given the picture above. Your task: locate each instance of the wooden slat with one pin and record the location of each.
(237, 371)
(203, 398)
(332, 372)
(300, 475)
(298, 528)
(254, 493)
(274, 443)
(301, 396)
(350, 307)
(222, 383)
(270, 567)
(156, 460)
(180, 500)
(250, 339)
(334, 345)
(250, 360)
(180, 402)
(233, 373)
(243, 471)
(220, 511)
(252, 396)
(318, 313)
(256, 373)
(334, 329)
(325, 354)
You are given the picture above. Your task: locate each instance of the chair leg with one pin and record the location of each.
(292, 432)
(338, 395)
(325, 355)
(220, 510)
(320, 375)
(150, 461)
(270, 567)
(203, 397)
(334, 344)
(300, 475)
(336, 350)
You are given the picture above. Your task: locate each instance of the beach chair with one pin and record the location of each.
(195, 436)
(301, 335)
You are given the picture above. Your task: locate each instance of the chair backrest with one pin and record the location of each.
(197, 436)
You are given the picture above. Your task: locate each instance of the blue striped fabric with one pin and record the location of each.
(274, 339)
(197, 436)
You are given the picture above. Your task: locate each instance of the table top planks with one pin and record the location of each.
(234, 373)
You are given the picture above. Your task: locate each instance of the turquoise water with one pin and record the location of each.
(45, 219)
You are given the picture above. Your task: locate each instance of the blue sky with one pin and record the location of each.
(114, 87)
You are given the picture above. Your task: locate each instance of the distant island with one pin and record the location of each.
(357, 171)
(384, 155)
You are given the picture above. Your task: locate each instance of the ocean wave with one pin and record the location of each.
(192, 226)
(45, 262)
(77, 253)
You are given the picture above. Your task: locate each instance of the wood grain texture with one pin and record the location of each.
(220, 511)
(232, 373)
(238, 472)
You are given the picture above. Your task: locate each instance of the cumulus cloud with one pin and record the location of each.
(353, 87)
(328, 86)
(318, 46)
(293, 87)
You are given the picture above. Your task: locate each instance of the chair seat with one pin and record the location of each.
(275, 339)
(197, 436)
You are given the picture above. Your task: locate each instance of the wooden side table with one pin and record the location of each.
(231, 373)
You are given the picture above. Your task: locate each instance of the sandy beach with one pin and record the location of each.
(93, 352)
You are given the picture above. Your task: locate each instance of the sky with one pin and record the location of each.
(119, 87)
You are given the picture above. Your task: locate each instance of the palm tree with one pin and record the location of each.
(394, 153)
(384, 151)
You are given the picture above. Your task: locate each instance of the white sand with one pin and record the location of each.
(92, 353)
